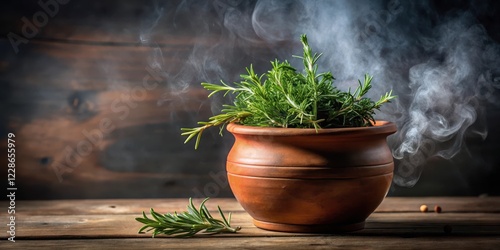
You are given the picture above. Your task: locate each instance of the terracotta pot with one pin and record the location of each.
(303, 180)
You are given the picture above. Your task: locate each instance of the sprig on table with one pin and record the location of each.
(188, 223)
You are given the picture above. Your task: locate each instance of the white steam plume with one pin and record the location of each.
(443, 65)
(432, 62)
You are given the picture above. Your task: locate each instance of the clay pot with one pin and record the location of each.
(303, 180)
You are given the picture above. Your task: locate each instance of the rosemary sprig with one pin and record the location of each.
(188, 223)
(284, 97)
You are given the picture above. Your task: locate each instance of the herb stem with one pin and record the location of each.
(187, 224)
(283, 97)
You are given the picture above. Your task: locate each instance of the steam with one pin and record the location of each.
(443, 65)
(435, 69)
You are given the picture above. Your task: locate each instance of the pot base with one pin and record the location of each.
(319, 228)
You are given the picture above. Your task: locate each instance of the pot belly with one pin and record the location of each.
(303, 180)
(319, 204)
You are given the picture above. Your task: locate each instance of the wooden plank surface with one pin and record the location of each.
(303, 242)
(124, 226)
(474, 223)
(134, 206)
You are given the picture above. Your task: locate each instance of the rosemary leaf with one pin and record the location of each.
(186, 224)
(285, 97)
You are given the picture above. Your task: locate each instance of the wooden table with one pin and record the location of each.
(397, 224)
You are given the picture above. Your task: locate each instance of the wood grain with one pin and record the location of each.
(316, 242)
(474, 223)
(92, 54)
(73, 90)
(134, 206)
(75, 74)
(124, 226)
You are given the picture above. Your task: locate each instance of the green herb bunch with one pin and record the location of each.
(284, 97)
(186, 224)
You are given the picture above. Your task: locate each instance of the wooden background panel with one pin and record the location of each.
(59, 98)
(83, 21)
(87, 67)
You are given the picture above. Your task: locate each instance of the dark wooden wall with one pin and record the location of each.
(86, 124)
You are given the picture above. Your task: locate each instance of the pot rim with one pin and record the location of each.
(380, 127)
